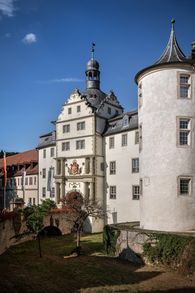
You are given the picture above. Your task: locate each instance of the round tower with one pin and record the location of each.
(166, 93)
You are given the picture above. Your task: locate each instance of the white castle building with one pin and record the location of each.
(117, 158)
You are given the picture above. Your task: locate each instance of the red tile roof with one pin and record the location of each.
(25, 157)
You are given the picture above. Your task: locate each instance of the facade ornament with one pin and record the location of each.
(74, 168)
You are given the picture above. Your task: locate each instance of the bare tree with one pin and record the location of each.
(77, 209)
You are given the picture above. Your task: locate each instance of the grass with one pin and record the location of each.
(21, 270)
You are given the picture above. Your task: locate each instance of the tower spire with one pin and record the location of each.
(172, 52)
(92, 72)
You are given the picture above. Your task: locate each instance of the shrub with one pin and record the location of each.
(165, 248)
(110, 236)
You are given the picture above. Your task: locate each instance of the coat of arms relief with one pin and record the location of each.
(74, 168)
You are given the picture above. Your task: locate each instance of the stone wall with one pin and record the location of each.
(8, 230)
(131, 239)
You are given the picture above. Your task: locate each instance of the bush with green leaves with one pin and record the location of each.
(110, 236)
(165, 248)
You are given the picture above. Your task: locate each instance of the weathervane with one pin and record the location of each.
(92, 50)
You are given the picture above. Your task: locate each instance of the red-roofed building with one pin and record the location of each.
(22, 178)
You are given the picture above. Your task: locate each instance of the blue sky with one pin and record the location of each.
(45, 45)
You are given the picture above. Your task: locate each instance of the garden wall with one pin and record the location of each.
(14, 225)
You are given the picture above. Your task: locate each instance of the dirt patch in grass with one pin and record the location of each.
(23, 271)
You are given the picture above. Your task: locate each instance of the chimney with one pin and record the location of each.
(193, 50)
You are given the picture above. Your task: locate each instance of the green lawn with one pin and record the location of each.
(21, 270)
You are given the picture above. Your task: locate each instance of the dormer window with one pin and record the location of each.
(125, 121)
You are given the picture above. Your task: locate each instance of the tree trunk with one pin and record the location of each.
(39, 243)
(78, 238)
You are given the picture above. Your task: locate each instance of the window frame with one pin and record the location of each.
(109, 110)
(112, 168)
(44, 154)
(180, 130)
(78, 108)
(69, 110)
(66, 128)
(52, 152)
(124, 142)
(187, 85)
(137, 137)
(44, 173)
(112, 191)
(81, 125)
(64, 146)
(135, 169)
(80, 144)
(111, 142)
(43, 191)
(135, 196)
(190, 184)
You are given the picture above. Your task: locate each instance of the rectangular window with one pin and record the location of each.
(51, 152)
(81, 125)
(30, 181)
(185, 185)
(34, 201)
(140, 138)
(43, 173)
(66, 128)
(112, 167)
(135, 192)
(80, 144)
(113, 192)
(44, 154)
(136, 137)
(124, 140)
(102, 166)
(18, 181)
(53, 192)
(135, 165)
(66, 146)
(140, 98)
(185, 86)
(30, 201)
(111, 142)
(43, 191)
(69, 110)
(141, 186)
(78, 108)
(184, 131)
(35, 180)
(109, 110)
(26, 181)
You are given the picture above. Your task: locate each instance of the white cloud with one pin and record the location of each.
(29, 38)
(65, 79)
(7, 7)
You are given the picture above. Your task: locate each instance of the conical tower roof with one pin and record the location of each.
(172, 52)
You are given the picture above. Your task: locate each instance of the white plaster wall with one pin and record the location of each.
(127, 209)
(73, 152)
(161, 161)
(46, 163)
